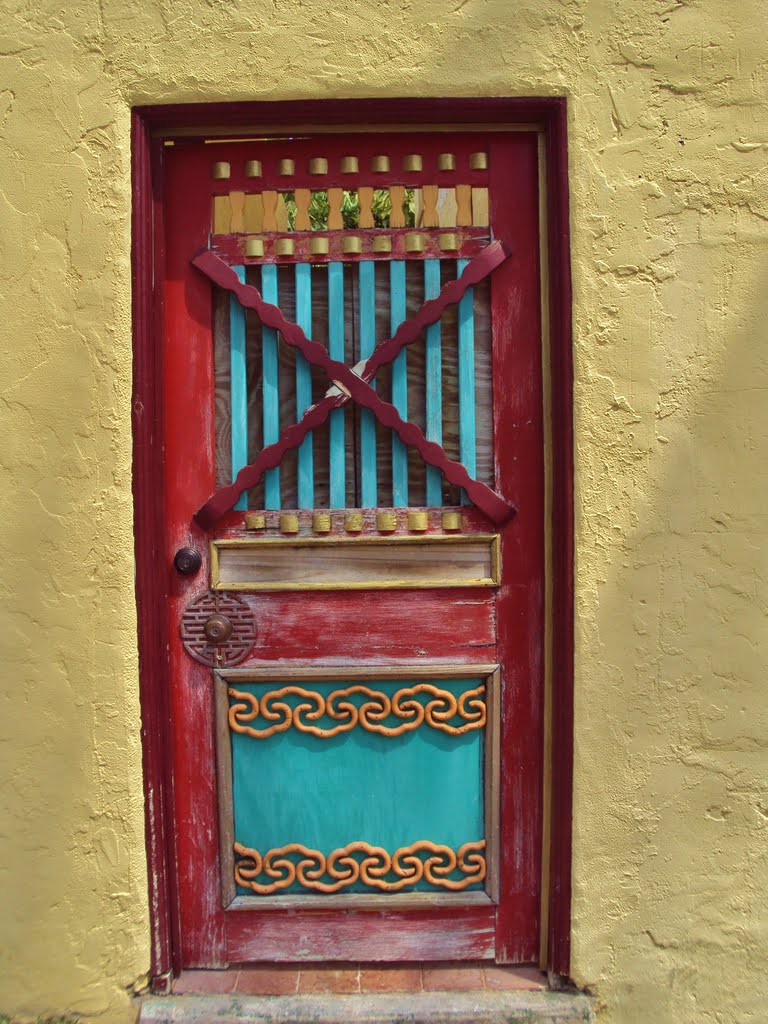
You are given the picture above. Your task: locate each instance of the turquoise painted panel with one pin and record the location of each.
(397, 313)
(387, 791)
(306, 476)
(271, 396)
(238, 387)
(367, 289)
(338, 484)
(466, 360)
(434, 382)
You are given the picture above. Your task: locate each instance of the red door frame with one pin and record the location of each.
(150, 125)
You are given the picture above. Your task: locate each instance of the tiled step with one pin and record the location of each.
(480, 1007)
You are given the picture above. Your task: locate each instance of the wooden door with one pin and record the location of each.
(354, 525)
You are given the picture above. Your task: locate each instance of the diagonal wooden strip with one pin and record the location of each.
(495, 507)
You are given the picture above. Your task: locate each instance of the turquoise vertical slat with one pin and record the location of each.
(338, 481)
(466, 359)
(434, 382)
(238, 387)
(399, 383)
(306, 475)
(270, 394)
(368, 483)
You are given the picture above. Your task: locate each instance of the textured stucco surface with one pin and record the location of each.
(669, 164)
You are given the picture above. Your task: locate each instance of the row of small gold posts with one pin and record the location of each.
(413, 162)
(416, 520)
(353, 244)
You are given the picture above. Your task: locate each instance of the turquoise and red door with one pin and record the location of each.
(354, 531)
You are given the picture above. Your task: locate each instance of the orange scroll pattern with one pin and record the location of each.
(407, 706)
(359, 862)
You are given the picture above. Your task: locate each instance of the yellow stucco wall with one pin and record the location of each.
(669, 164)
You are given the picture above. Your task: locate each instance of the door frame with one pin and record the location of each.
(150, 128)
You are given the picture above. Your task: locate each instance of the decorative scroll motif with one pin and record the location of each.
(360, 862)
(438, 710)
(218, 647)
(347, 384)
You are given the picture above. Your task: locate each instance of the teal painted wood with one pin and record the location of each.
(338, 483)
(387, 791)
(466, 360)
(397, 313)
(433, 383)
(238, 388)
(306, 474)
(368, 481)
(270, 393)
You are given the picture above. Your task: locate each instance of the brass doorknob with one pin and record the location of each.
(218, 629)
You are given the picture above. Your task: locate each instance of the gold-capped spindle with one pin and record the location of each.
(222, 214)
(318, 165)
(412, 162)
(380, 164)
(396, 199)
(318, 246)
(285, 167)
(237, 212)
(284, 247)
(254, 212)
(480, 210)
(478, 161)
(220, 170)
(429, 218)
(446, 162)
(302, 197)
(354, 522)
(386, 522)
(289, 522)
(415, 242)
(269, 199)
(255, 521)
(365, 201)
(335, 199)
(418, 522)
(382, 243)
(349, 165)
(252, 168)
(463, 206)
(352, 244)
(449, 242)
(451, 521)
(254, 247)
(321, 522)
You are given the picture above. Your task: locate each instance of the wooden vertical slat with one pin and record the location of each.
(463, 205)
(480, 208)
(238, 387)
(367, 288)
(306, 476)
(271, 394)
(396, 198)
(434, 382)
(222, 214)
(254, 212)
(335, 199)
(365, 199)
(302, 197)
(466, 359)
(269, 200)
(237, 212)
(429, 216)
(338, 483)
(397, 313)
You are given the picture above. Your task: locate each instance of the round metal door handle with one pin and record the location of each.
(218, 629)
(187, 561)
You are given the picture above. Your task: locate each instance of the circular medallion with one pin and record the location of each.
(218, 630)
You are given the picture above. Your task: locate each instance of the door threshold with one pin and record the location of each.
(481, 1007)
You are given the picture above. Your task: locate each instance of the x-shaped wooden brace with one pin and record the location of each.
(353, 384)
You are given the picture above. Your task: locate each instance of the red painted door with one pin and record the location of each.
(354, 532)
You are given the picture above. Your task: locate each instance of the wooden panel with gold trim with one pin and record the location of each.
(355, 563)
